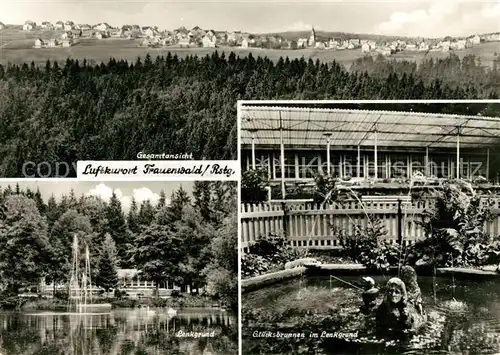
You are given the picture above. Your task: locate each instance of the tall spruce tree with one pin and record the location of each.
(107, 274)
(133, 217)
(117, 228)
(24, 243)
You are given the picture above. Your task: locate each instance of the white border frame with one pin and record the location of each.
(238, 158)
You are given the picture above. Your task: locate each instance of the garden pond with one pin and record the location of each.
(320, 315)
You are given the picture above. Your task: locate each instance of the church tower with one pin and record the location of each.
(312, 38)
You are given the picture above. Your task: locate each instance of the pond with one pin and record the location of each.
(120, 331)
(320, 315)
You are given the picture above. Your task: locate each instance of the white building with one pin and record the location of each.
(445, 46)
(52, 43)
(365, 47)
(67, 35)
(185, 43)
(46, 25)
(458, 45)
(302, 43)
(67, 42)
(39, 43)
(320, 45)
(244, 43)
(69, 25)
(29, 25)
(423, 46)
(332, 43)
(102, 27)
(476, 39)
(209, 42)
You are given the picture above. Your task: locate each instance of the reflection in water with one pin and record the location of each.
(123, 331)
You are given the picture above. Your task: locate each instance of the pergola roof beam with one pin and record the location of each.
(354, 127)
(265, 121)
(379, 131)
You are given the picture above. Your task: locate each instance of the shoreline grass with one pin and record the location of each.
(57, 304)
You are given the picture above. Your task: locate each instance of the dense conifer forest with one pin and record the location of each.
(191, 241)
(112, 111)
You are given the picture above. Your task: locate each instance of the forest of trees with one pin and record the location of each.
(112, 111)
(190, 241)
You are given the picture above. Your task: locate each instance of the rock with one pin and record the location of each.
(422, 262)
(301, 262)
(492, 268)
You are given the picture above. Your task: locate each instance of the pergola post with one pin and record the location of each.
(387, 169)
(282, 160)
(376, 156)
(328, 135)
(488, 164)
(359, 162)
(426, 161)
(341, 166)
(297, 167)
(253, 150)
(458, 153)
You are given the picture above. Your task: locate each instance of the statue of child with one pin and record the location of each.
(394, 317)
(370, 295)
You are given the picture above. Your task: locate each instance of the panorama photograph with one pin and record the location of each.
(370, 228)
(106, 80)
(118, 268)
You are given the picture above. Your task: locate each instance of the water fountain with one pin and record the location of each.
(80, 284)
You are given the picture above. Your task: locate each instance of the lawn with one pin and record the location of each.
(16, 47)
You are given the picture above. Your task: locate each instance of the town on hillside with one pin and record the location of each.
(67, 34)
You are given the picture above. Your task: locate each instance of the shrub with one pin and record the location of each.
(253, 265)
(52, 304)
(267, 254)
(276, 249)
(268, 246)
(324, 189)
(120, 294)
(455, 229)
(63, 295)
(10, 302)
(480, 254)
(183, 300)
(368, 247)
(253, 184)
(123, 303)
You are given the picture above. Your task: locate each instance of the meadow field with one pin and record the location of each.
(16, 46)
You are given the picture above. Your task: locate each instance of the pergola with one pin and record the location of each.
(316, 127)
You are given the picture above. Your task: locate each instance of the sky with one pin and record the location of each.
(124, 190)
(437, 18)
